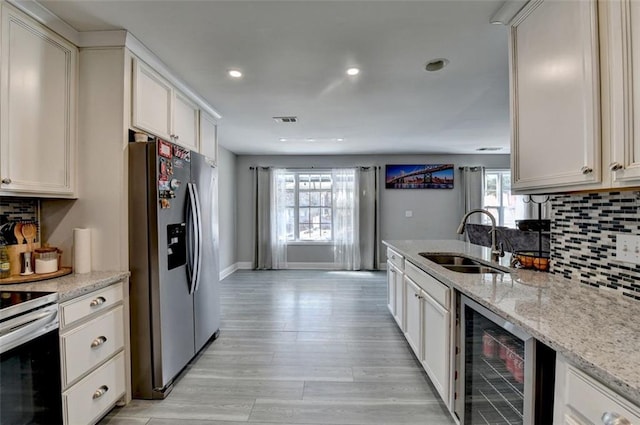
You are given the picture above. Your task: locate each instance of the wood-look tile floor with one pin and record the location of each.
(299, 347)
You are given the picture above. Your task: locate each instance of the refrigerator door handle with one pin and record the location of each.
(199, 236)
(193, 241)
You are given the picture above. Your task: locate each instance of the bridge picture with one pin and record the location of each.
(429, 176)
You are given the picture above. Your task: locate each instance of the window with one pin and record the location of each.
(309, 215)
(498, 198)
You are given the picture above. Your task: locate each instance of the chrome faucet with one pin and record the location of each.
(495, 252)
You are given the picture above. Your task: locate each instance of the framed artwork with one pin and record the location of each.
(422, 176)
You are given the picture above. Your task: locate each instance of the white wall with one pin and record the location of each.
(227, 195)
(102, 164)
(436, 212)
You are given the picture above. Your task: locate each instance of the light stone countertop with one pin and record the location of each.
(597, 330)
(72, 285)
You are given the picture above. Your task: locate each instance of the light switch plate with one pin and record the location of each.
(628, 248)
(408, 213)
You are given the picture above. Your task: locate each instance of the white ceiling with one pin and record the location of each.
(294, 55)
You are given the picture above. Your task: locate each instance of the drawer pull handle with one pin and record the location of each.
(611, 418)
(6, 180)
(98, 301)
(586, 170)
(100, 392)
(98, 341)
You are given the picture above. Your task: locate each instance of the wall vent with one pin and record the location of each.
(285, 119)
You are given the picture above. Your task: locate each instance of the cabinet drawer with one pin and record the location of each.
(430, 285)
(89, 399)
(590, 399)
(91, 343)
(81, 307)
(396, 259)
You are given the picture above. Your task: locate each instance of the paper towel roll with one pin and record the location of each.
(82, 250)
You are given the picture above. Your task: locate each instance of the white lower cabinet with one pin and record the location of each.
(96, 394)
(395, 287)
(436, 344)
(413, 315)
(428, 326)
(94, 353)
(581, 400)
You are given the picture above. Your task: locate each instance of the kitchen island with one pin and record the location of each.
(595, 329)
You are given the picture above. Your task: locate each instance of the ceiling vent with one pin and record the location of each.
(286, 119)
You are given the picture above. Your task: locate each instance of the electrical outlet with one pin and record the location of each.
(408, 213)
(628, 248)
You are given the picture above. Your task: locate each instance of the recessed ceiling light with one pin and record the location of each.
(235, 73)
(436, 64)
(353, 71)
(282, 139)
(311, 140)
(339, 139)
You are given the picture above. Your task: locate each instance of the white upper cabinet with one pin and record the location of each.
(38, 109)
(160, 109)
(621, 69)
(152, 98)
(209, 136)
(185, 121)
(555, 105)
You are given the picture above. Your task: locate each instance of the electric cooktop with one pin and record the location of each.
(13, 303)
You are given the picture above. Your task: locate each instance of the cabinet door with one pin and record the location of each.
(413, 316)
(623, 61)
(152, 97)
(555, 96)
(435, 344)
(185, 122)
(391, 288)
(400, 299)
(209, 137)
(38, 108)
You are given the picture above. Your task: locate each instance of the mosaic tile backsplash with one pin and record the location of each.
(583, 239)
(17, 210)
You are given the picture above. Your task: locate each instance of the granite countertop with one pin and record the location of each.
(595, 329)
(72, 285)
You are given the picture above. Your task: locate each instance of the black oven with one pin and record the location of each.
(30, 387)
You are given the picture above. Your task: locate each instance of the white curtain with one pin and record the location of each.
(278, 219)
(472, 191)
(346, 232)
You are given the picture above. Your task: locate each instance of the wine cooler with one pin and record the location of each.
(505, 376)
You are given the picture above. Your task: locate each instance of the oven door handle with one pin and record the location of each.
(28, 327)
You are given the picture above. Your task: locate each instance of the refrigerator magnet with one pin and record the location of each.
(181, 153)
(164, 149)
(165, 204)
(163, 183)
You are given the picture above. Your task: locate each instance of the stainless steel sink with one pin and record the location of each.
(443, 259)
(472, 269)
(460, 264)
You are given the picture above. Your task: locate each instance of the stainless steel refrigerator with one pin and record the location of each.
(173, 258)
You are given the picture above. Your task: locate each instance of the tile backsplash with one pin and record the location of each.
(583, 239)
(14, 210)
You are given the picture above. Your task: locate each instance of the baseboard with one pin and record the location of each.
(228, 271)
(244, 265)
(383, 266)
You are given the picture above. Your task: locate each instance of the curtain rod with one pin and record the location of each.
(365, 167)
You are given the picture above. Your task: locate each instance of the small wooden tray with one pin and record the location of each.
(35, 277)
